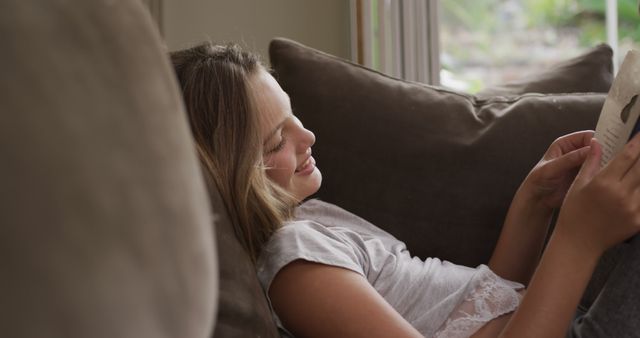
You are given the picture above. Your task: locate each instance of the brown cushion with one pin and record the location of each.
(243, 310)
(591, 71)
(105, 223)
(434, 167)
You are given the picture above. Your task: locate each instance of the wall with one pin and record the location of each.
(321, 24)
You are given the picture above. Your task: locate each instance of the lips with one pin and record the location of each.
(307, 167)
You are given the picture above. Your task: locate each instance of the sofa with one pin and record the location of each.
(105, 224)
(108, 228)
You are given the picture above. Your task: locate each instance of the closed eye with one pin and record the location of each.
(278, 147)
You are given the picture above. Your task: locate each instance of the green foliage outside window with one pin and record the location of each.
(486, 42)
(588, 15)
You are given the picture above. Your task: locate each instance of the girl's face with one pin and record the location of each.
(287, 144)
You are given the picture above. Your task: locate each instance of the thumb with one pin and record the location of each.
(591, 165)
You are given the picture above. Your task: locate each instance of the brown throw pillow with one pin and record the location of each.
(588, 72)
(434, 167)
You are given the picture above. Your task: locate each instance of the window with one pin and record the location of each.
(495, 41)
(476, 43)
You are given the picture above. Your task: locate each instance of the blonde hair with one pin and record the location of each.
(214, 81)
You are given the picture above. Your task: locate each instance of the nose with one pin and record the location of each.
(307, 139)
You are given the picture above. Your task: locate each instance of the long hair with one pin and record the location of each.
(214, 82)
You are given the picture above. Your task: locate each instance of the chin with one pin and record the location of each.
(311, 187)
(317, 182)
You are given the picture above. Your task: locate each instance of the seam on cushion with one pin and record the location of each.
(515, 98)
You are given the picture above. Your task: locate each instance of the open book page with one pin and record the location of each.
(619, 116)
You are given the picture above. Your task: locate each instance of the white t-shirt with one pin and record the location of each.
(438, 298)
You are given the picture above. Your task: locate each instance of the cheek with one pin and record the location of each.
(280, 169)
(278, 177)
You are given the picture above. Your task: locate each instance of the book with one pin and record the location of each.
(618, 120)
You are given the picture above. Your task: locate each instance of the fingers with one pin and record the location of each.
(591, 165)
(621, 164)
(570, 142)
(631, 180)
(568, 161)
(579, 139)
(569, 151)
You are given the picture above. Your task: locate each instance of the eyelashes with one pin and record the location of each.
(278, 147)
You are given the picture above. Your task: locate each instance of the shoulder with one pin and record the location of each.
(310, 241)
(318, 300)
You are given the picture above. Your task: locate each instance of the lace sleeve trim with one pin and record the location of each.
(490, 297)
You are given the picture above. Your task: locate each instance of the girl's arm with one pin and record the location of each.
(316, 300)
(554, 292)
(521, 241)
(602, 208)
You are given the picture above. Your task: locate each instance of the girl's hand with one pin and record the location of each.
(522, 238)
(602, 207)
(550, 179)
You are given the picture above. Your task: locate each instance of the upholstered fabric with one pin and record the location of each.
(243, 310)
(591, 71)
(434, 167)
(105, 219)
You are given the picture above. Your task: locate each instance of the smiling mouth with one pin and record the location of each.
(306, 167)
